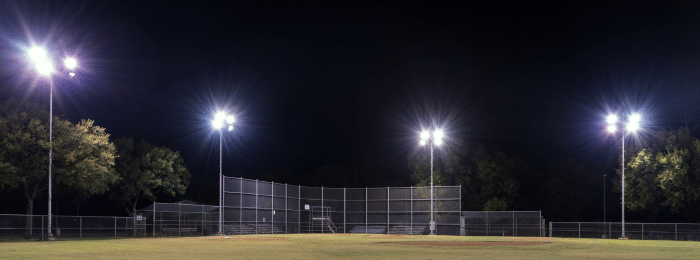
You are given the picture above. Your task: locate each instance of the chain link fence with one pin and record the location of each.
(33, 227)
(503, 223)
(642, 231)
(259, 207)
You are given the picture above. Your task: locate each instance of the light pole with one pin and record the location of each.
(604, 208)
(632, 125)
(221, 119)
(435, 138)
(43, 65)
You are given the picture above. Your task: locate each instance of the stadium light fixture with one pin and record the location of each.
(220, 120)
(42, 63)
(434, 138)
(632, 125)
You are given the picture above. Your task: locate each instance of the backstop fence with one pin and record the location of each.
(643, 231)
(255, 207)
(503, 223)
(16, 226)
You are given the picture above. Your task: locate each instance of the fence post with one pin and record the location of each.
(323, 217)
(345, 209)
(256, 206)
(411, 210)
(513, 222)
(366, 220)
(273, 208)
(115, 227)
(80, 227)
(299, 208)
(676, 231)
(179, 211)
(154, 219)
(387, 210)
(42, 227)
(286, 208)
(240, 206)
(550, 229)
(579, 230)
(642, 231)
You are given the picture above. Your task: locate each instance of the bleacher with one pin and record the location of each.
(407, 230)
(247, 229)
(242, 229)
(369, 229)
(268, 228)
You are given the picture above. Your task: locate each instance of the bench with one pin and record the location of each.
(179, 230)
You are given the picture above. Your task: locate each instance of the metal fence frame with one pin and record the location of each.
(71, 227)
(642, 231)
(502, 223)
(282, 208)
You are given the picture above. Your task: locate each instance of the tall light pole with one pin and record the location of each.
(632, 125)
(221, 119)
(435, 138)
(604, 208)
(43, 65)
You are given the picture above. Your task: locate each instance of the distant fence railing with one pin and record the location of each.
(34, 227)
(502, 223)
(641, 231)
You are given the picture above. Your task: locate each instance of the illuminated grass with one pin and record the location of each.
(343, 246)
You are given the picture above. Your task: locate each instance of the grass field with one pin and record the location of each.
(347, 246)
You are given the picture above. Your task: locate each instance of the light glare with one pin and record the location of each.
(217, 124)
(438, 142)
(425, 135)
(422, 142)
(632, 127)
(70, 63)
(635, 118)
(230, 128)
(612, 129)
(438, 134)
(230, 119)
(612, 119)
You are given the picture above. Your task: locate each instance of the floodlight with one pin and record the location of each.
(612, 128)
(438, 134)
(438, 141)
(635, 118)
(220, 116)
(425, 135)
(217, 124)
(230, 128)
(44, 68)
(422, 142)
(611, 119)
(37, 54)
(70, 63)
(230, 119)
(632, 127)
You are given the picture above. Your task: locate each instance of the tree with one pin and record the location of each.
(447, 168)
(83, 157)
(490, 183)
(664, 177)
(147, 171)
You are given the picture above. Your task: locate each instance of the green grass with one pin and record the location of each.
(343, 246)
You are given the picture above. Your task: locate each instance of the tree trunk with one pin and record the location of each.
(29, 223)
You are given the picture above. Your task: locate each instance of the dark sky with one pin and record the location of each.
(342, 83)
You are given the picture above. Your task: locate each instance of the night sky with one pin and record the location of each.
(353, 83)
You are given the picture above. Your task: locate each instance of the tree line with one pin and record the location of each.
(86, 162)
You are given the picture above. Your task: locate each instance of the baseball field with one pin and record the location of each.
(351, 246)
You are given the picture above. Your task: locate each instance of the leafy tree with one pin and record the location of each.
(664, 177)
(83, 158)
(490, 183)
(447, 168)
(564, 187)
(147, 171)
